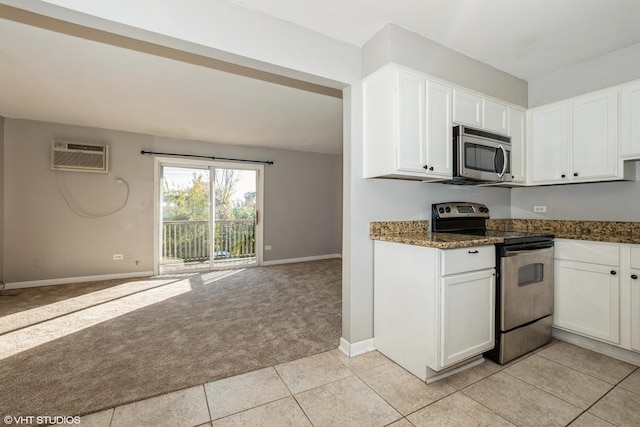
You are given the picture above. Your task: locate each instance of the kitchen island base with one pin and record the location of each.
(430, 312)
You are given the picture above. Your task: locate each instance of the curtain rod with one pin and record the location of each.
(266, 162)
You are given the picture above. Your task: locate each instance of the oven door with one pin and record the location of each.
(483, 160)
(526, 285)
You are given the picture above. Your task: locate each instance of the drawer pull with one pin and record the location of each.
(473, 252)
(634, 276)
(613, 272)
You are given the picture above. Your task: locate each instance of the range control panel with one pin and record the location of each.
(459, 210)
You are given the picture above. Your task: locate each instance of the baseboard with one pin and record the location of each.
(66, 280)
(302, 259)
(356, 349)
(597, 346)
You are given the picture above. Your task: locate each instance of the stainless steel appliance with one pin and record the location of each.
(480, 157)
(524, 285)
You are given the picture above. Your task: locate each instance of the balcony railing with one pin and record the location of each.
(188, 241)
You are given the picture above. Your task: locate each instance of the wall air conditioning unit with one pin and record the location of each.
(78, 157)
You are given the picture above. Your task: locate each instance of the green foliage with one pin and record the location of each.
(189, 241)
(191, 203)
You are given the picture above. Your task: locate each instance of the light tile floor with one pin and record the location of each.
(558, 385)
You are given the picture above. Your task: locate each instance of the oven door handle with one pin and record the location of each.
(527, 251)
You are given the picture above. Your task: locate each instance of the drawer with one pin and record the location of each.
(635, 257)
(589, 252)
(462, 260)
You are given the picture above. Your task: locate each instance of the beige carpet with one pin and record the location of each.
(77, 349)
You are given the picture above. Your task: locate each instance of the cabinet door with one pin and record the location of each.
(587, 300)
(594, 152)
(495, 117)
(467, 108)
(517, 130)
(439, 131)
(630, 121)
(548, 151)
(635, 310)
(410, 132)
(467, 315)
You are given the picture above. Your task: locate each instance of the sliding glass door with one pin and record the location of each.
(234, 217)
(209, 216)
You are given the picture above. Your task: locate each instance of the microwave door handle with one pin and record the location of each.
(504, 161)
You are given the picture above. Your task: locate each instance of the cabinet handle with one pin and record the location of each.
(473, 252)
(430, 168)
(563, 176)
(613, 272)
(425, 167)
(575, 174)
(634, 276)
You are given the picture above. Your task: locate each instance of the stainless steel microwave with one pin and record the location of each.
(480, 157)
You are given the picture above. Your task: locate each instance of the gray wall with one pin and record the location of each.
(603, 201)
(398, 45)
(608, 70)
(302, 213)
(2, 198)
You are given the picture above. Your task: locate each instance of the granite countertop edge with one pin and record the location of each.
(438, 240)
(418, 232)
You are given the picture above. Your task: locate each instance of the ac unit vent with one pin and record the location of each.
(72, 156)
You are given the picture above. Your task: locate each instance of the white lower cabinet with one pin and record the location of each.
(635, 310)
(597, 291)
(587, 299)
(467, 315)
(634, 278)
(433, 308)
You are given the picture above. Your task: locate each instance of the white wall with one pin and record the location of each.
(301, 212)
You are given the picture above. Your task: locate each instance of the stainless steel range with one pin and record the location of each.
(524, 285)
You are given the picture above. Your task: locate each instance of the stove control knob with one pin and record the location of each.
(448, 209)
(441, 210)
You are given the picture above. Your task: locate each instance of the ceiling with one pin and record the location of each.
(525, 38)
(56, 77)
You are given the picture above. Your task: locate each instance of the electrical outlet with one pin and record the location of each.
(539, 208)
(267, 248)
(118, 257)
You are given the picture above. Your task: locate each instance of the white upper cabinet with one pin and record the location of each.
(495, 117)
(407, 126)
(574, 140)
(518, 131)
(630, 121)
(439, 159)
(594, 152)
(410, 98)
(548, 150)
(476, 111)
(467, 108)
